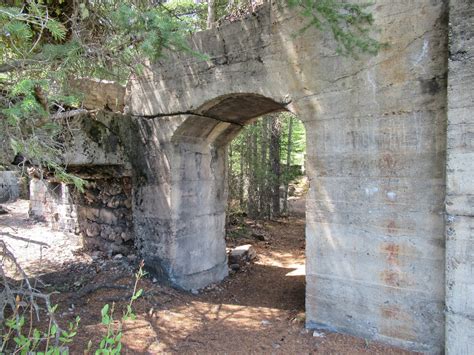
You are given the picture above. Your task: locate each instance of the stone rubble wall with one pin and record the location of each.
(104, 214)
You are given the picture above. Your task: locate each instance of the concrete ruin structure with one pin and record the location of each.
(390, 152)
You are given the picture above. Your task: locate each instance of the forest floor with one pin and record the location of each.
(258, 309)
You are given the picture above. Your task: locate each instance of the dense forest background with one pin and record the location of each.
(262, 161)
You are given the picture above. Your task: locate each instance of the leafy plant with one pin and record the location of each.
(26, 341)
(18, 336)
(111, 341)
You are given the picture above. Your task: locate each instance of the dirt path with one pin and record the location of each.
(258, 309)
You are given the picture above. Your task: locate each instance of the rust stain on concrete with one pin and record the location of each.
(393, 252)
(396, 322)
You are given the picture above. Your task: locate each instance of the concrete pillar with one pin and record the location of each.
(460, 182)
(9, 186)
(375, 256)
(179, 202)
(52, 203)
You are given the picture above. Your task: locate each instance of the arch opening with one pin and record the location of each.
(198, 190)
(267, 188)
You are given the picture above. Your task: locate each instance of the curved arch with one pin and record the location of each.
(240, 108)
(219, 120)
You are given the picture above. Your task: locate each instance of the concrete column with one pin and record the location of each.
(460, 182)
(9, 186)
(179, 204)
(52, 203)
(375, 255)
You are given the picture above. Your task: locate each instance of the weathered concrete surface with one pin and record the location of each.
(179, 202)
(52, 203)
(9, 186)
(460, 182)
(100, 94)
(95, 141)
(376, 140)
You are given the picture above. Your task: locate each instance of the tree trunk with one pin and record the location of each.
(275, 164)
(288, 164)
(230, 175)
(211, 13)
(264, 200)
(241, 178)
(253, 178)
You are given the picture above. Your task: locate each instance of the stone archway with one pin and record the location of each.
(376, 157)
(180, 203)
(388, 155)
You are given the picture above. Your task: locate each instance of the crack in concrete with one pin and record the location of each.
(171, 114)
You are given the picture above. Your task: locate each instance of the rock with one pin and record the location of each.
(3, 210)
(235, 267)
(127, 203)
(118, 256)
(113, 237)
(259, 236)
(93, 230)
(114, 202)
(106, 231)
(241, 254)
(113, 189)
(90, 213)
(107, 216)
(318, 334)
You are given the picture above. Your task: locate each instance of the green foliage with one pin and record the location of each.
(249, 162)
(19, 338)
(31, 340)
(46, 44)
(111, 341)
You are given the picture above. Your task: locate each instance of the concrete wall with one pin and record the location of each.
(9, 186)
(460, 182)
(378, 130)
(52, 203)
(376, 138)
(376, 157)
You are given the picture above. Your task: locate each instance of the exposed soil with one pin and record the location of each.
(258, 309)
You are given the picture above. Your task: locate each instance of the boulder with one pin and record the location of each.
(241, 254)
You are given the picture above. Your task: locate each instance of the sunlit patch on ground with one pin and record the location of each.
(37, 248)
